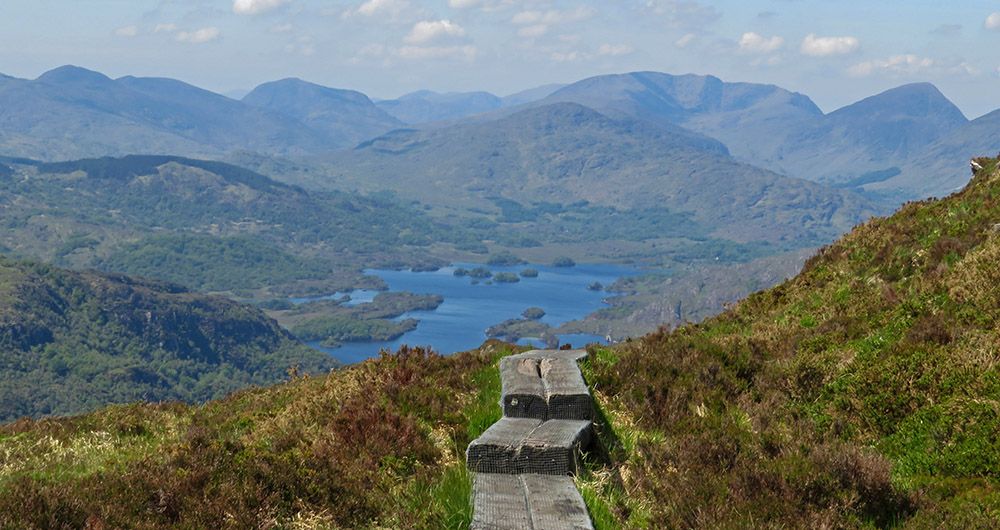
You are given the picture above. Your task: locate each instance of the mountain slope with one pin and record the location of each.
(860, 145)
(426, 106)
(940, 168)
(863, 392)
(751, 119)
(40, 120)
(530, 95)
(71, 112)
(345, 117)
(568, 153)
(73, 341)
(163, 215)
(878, 134)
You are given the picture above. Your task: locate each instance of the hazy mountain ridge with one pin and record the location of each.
(786, 132)
(872, 144)
(71, 112)
(931, 171)
(426, 106)
(569, 151)
(346, 117)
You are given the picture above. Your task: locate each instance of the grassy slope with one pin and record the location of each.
(863, 392)
(379, 444)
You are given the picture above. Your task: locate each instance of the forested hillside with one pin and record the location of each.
(74, 341)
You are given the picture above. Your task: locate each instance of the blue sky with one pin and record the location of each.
(835, 52)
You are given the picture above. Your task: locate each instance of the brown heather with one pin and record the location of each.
(367, 446)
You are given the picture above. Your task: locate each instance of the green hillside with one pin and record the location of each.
(74, 341)
(207, 225)
(861, 393)
(568, 153)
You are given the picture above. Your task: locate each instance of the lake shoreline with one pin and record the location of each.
(472, 304)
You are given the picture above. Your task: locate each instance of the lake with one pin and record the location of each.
(460, 322)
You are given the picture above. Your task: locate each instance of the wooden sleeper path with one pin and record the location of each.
(522, 464)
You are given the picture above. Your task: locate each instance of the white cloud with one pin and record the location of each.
(253, 7)
(376, 7)
(992, 21)
(686, 40)
(431, 30)
(466, 52)
(463, 4)
(756, 43)
(826, 46)
(127, 31)
(165, 28)
(910, 64)
(614, 50)
(283, 28)
(531, 32)
(198, 36)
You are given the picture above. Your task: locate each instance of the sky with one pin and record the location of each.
(836, 52)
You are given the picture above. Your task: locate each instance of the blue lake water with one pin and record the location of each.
(460, 322)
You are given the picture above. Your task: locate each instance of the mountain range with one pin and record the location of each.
(569, 153)
(71, 112)
(868, 144)
(907, 142)
(425, 106)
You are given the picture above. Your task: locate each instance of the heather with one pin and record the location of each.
(861, 393)
(379, 444)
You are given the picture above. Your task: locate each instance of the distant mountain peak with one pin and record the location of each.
(345, 116)
(418, 94)
(293, 87)
(72, 74)
(914, 99)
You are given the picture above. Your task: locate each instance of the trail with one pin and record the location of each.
(523, 464)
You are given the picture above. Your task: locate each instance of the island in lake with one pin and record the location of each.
(333, 322)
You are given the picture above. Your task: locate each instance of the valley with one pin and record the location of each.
(640, 172)
(499, 265)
